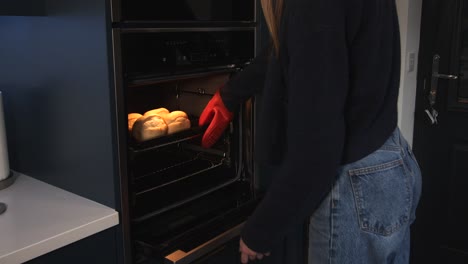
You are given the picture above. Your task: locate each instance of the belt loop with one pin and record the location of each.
(401, 142)
(399, 137)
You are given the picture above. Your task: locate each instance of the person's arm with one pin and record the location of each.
(220, 110)
(246, 83)
(317, 83)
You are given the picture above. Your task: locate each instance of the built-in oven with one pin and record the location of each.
(182, 203)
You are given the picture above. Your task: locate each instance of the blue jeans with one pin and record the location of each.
(366, 217)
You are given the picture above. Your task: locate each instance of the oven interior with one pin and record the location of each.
(180, 193)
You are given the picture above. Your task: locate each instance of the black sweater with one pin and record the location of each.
(329, 99)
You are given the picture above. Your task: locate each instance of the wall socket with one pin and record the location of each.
(411, 61)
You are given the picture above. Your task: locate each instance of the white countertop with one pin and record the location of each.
(41, 218)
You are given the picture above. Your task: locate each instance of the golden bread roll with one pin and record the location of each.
(176, 121)
(149, 127)
(160, 111)
(132, 117)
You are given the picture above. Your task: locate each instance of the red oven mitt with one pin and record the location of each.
(218, 117)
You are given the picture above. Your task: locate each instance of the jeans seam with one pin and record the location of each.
(330, 246)
(413, 175)
(377, 168)
(333, 208)
(392, 148)
(357, 201)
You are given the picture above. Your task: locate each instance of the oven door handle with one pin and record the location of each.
(182, 257)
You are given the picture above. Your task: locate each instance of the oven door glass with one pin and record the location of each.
(188, 10)
(192, 233)
(148, 53)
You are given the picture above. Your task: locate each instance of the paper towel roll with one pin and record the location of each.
(4, 162)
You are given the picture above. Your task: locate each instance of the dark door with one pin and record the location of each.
(440, 234)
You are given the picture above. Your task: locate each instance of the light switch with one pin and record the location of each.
(411, 64)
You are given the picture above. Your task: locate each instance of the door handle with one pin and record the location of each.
(445, 76)
(182, 257)
(435, 79)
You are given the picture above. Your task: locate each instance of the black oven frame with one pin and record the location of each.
(247, 113)
(117, 20)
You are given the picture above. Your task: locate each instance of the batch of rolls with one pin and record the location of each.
(156, 123)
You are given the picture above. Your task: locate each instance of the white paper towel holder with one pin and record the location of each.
(5, 183)
(7, 176)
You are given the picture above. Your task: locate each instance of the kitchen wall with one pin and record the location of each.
(56, 86)
(54, 70)
(409, 12)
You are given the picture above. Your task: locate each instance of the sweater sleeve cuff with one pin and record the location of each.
(231, 103)
(254, 240)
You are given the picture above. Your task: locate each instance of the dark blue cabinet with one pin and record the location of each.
(22, 8)
(56, 83)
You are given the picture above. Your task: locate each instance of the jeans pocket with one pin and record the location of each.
(383, 196)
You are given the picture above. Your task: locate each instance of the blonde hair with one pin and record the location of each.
(273, 10)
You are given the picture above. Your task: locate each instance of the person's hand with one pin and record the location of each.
(218, 117)
(248, 254)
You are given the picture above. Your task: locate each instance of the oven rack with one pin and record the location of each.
(179, 171)
(179, 137)
(151, 242)
(151, 79)
(160, 199)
